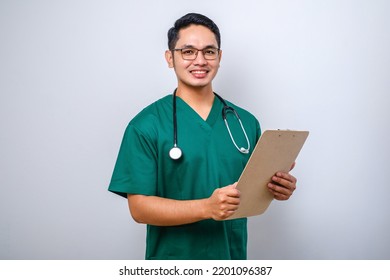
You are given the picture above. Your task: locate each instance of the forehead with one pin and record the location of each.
(197, 36)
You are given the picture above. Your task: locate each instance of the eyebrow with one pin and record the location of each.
(206, 47)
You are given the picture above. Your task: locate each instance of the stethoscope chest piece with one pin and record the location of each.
(175, 153)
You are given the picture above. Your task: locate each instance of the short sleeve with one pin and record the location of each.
(135, 170)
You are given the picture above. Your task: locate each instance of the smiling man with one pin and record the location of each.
(179, 160)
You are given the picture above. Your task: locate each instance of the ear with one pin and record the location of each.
(169, 58)
(220, 57)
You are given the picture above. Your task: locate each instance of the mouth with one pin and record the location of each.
(199, 73)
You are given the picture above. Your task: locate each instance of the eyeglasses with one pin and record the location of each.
(192, 53)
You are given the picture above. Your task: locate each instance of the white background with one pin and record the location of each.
(73, 73)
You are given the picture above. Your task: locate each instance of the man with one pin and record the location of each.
(185, 198)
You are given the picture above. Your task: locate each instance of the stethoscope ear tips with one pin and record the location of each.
(244, 151)
(175, 153)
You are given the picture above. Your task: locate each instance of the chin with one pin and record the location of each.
(201, 83)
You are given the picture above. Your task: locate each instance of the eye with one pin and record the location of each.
(188, 51)
(210, 51)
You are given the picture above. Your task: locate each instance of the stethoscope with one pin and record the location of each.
(176, 153)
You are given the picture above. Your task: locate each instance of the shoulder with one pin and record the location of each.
(153, 110)
(149, 118)
(147, 122)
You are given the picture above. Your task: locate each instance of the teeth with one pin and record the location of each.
(199, 72)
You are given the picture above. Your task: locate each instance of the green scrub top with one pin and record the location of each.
(209, 161)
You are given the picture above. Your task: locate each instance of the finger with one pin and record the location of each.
(236, 193)
(225, 200)
(282, 184)
(224, 215)
(231, 207)
(224, 197)
(226, 210)
(279, 190)
(285, 180)
(233, 201)
(280, 196)
(286, 176)
(231, 191)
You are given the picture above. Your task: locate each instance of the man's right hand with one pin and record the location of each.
(159, 211)
(223, 202)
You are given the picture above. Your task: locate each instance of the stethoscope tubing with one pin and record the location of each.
(175, 152)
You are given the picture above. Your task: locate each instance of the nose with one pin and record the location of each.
(200, 60)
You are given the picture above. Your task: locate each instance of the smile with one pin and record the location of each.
(199, 71)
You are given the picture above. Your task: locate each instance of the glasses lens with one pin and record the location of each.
(191, 53)
(210, 53)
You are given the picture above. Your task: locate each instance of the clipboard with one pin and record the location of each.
(276, 150)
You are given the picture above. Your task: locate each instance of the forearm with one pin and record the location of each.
(159, 211)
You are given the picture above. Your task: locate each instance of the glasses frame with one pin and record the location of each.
(197, 51)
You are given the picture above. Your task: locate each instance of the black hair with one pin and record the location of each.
(187, 20)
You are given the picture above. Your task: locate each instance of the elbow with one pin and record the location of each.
(135, 211)
(137, 217)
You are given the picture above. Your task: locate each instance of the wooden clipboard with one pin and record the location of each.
(275, 151)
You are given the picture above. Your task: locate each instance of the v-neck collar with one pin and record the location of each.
(214, 113)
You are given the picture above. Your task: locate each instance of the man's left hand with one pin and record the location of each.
(282, 185)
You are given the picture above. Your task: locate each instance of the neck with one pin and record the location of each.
(200, 95)
(199, 99)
